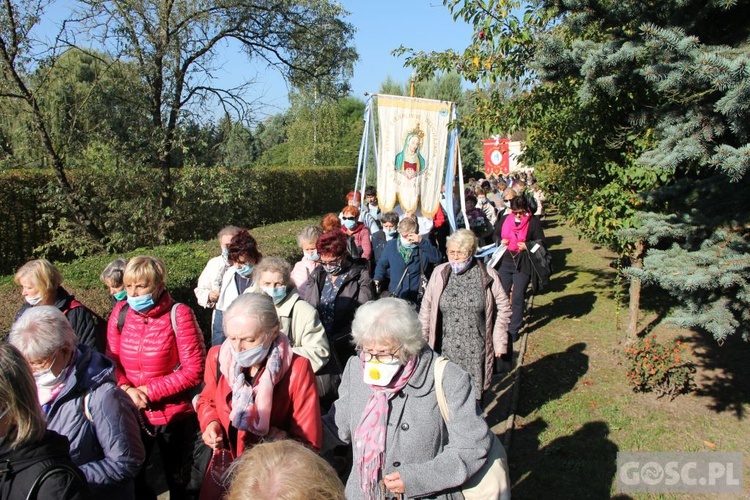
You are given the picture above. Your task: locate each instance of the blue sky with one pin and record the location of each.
(382, 26)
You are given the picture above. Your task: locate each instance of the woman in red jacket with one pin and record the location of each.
(158, 366)
(262, 391)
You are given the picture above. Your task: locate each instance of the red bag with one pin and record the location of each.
(215, 482)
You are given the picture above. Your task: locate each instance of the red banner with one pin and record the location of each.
(496, 158)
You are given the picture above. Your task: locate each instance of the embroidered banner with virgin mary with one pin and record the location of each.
(412, 146)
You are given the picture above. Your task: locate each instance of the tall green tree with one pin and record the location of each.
(642, 107)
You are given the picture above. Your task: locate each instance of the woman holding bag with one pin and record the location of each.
(256, 388)
(388, 410)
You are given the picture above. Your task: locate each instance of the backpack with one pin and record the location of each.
(99, 323)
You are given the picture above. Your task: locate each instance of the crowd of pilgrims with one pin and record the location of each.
(318, 375)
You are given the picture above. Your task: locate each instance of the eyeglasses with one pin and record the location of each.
(519, 212)
(457, 254)
(349, 218)
(333, 262)
(381, 357)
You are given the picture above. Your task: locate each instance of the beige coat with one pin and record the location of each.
(496, 313)
(300, 322)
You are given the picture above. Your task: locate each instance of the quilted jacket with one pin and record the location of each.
(107, 447)
(148, 352)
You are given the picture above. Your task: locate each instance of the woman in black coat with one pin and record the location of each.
(31, 457)
(520, 232)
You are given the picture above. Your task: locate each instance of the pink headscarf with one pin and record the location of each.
(369, 436)
(515, 233)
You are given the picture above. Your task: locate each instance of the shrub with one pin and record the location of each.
(657, 367)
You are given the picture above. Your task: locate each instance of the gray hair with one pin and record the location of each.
(18, 395)
(465, 240)
(391, 217)
(231, 230)
(41, 331)
(408, 225)
(113, 272)
(309, 234)
(274, 265)
(258, 306)
(389, 319)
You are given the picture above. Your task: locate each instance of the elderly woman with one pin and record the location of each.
(158, 351)
(112, 278)
(300, 323)
(381, 238)
(209, 282)
(257, 388)
(299, 320)
(27, 448)
(388, 411)
(243, 255)
(284, 469)
(357, 231)
(80, 400)
(518, 230)
(405, 260)
(336, 289)
(41, 284)
(306, 239)
(465, 311)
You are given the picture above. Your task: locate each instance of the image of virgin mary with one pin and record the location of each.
(410, 161)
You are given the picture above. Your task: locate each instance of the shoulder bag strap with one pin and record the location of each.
(46, 473)
(440, 363)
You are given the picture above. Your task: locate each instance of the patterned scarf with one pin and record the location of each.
(251, 405)
(515, 233)
(369, 436)
(403, 251)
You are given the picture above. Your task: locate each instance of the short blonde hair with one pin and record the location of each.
(465, 240)
(18, 395)
(283, 470)
(45, 276)
(144, 268)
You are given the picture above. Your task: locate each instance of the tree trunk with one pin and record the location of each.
(634, 307)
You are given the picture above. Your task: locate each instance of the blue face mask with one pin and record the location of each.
(245, 271)
(312, 256)
(251, 357)
(277, 294)
(225, 254)
(350, 224)
(141, 303)
(391, 232)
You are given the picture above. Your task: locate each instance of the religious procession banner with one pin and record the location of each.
(496, 156)
(412, 146)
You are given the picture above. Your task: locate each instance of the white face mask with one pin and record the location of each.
(32, 301)
(380, 374)
(46, 379)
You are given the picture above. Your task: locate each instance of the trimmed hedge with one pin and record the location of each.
(184, 262)
(125, 203)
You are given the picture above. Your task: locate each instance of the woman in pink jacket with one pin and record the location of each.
(159, 366)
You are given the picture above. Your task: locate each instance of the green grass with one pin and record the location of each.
(575, 410)
(184, 262)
